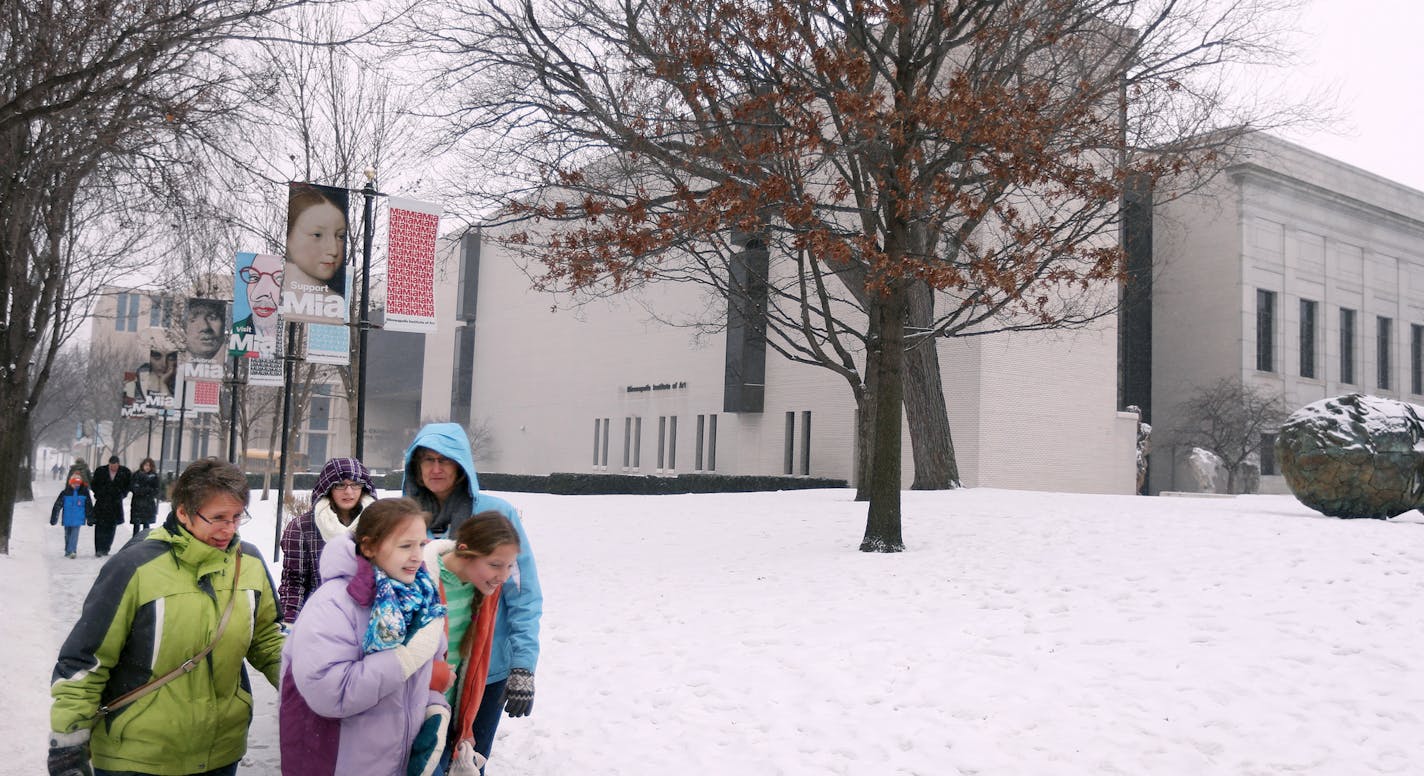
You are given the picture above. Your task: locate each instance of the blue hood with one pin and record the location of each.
(449, 440)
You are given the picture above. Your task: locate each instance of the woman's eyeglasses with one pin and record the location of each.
(347, 486)
(227, 522)
(251, 276)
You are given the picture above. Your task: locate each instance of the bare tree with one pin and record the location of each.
(863, 178)
(100, 105)
(327, 114)
(1229, 419)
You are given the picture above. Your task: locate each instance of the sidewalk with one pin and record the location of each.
(43, 597)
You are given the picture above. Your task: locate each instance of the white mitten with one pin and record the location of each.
(421, 648)
(467, 761)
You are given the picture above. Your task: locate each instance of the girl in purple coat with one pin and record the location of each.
(356, 692)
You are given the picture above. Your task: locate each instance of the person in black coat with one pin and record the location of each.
(110, 487)
(143, 509)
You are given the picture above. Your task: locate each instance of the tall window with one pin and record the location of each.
(126, 312)
(711, 443)
(597, 428)
(1268, 454)
(160, 311)
(662, 440)
(1416, 358)
(637, 442)
(1384, 339)
(1347, 345)
(1265, 330)
(806, 442)
(318, 428)
(627, 441)
(1307, 337)
(788, 455)
(672, 443)
(605, 442)
(697, 448)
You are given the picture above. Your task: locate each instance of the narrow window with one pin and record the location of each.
(605, 441)
(155, 311)
(697, 448)
(1416, 358)
(1265, 330)
(711, 443)
(806, 442)
(1307, 337)
(637, 441)
(789, 447)
(662, 441)
(672, 443)
(627, 441)
(121, 303)
(597, 426)
(1347, 345)
(1268, 455)
(1384, 337)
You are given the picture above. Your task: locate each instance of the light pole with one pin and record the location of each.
(364, 324)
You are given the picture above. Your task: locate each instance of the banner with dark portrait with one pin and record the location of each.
(135, 405)
(314, 271)
(200, 371)
(256, 299)
(205, 331)
(151, 386)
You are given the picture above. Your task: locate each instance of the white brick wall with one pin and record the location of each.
(1029, 411)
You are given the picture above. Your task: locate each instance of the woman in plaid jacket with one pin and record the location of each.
(342, 490)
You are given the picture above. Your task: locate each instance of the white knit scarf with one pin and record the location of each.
(324, 514)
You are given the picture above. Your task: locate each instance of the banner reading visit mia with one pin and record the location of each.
(256, 298)
(410, 266)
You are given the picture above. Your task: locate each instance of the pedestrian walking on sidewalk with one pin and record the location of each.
(76, 508)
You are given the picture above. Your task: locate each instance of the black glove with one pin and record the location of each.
(69, 754)
(519, 693)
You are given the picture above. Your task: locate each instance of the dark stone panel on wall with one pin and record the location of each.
(745, 380)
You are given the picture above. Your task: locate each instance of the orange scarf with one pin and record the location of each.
(474, 663)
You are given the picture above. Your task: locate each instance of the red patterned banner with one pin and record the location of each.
(410, 274)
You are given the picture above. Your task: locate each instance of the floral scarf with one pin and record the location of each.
(400, 609)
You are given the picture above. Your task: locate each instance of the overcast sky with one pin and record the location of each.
(1370, 52)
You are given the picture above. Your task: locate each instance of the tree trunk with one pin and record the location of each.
(14, 436)
(25, 488)
(886, 359)
(865, 433)
(930, 439)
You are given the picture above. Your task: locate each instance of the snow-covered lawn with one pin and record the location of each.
(1022, 633)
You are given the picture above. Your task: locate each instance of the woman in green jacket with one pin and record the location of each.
(156, 606)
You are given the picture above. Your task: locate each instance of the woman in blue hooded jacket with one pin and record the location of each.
(440, 475)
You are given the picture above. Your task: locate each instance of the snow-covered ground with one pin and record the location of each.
(1022, 633)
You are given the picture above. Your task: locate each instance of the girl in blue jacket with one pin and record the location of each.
(77, 508)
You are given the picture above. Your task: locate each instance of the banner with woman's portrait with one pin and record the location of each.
(151, 386)
(314, 271)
